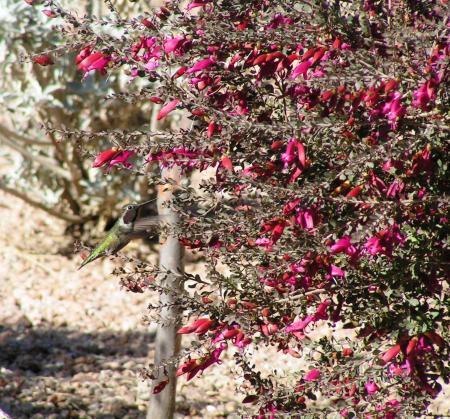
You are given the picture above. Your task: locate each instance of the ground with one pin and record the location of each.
(73, 343)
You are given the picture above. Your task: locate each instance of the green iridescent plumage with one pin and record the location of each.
(134, 223)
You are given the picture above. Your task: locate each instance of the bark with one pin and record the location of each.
(167, 345)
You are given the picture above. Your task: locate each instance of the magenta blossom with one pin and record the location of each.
(384, 241)
(279, 20)
(201, 65)
(171, 44)
(96, 61)
(302, 69)
(343, 245)
(166, 109)
(394, 109)
(320, 314)
(371, 387)
(113, 157)
(306, 218)
(122, 158)
(312, 375)
(425, 94)
(203, 363)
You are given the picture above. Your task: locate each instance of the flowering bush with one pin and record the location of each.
(326, 123)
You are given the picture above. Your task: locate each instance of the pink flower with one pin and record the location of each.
(306, 218)
(371, 387)
(166, 109)
(171, 44)
(49, 13)
(343, 245)
(394, 109)
(85, 52)
(263, 242)
(197, 3)
(302, 69)
(122, 158)
(299, 325)
(96, 61)
(321, 312)
(193, 366)
(279, 20)
(294, 155)
(389, 164)
(383, 242)
(425, 94)
(336, 271)
(290, 206)
(312, 375)
(396, 188)
(201, 65)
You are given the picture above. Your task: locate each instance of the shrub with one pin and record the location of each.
(326, 123)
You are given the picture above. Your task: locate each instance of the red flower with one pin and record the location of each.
(226, 163)
(113, 157)
(200, 326)
(160, 386)
(425, 94)
(302, 69)
(85, 52)
(383, 242)
(155, 99)
(343, 245)
(193, 366)
(211, 129)
(49, 13)
(43, 60)
(390, 354)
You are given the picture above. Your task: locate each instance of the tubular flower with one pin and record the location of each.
(43, 60)
(95, 61)
(113, 157)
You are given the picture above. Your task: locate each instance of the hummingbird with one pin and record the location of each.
(134, 223)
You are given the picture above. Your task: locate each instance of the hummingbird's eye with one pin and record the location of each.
(130, 207)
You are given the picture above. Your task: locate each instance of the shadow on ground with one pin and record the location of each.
(50, 372)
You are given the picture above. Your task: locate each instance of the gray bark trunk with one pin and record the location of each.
(167, 345)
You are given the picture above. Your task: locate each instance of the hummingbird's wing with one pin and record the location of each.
(145, 225)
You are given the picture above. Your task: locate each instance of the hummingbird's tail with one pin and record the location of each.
(94, 255)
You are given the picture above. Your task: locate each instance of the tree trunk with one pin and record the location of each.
(167, 344)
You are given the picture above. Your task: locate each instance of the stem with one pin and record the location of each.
(58, 214)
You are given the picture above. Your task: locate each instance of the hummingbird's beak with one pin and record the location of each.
(147, 202)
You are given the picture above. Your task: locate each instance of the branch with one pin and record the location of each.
(46, 162)
(58, 214)
(11, 134)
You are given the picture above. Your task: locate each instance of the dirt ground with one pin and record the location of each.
(72, 343)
